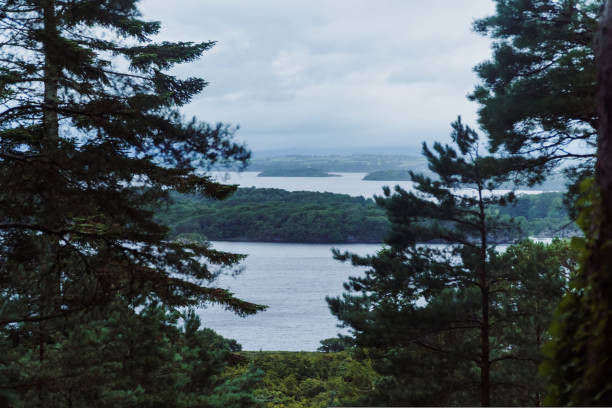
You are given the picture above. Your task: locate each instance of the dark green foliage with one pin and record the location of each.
(542, 274)
(580, 354)
(539, 98)
(543, 215)
(280, 216)
(439, 321)
(309, 380)
(335, 344)
(419, 373)
(537, 93)
(82, 161)
(90, 141)
(136, 359)
(575, 377)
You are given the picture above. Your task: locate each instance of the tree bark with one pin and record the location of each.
(485, 381)
(598, 268)
(50, 121)
(51, 74)
(485, 364)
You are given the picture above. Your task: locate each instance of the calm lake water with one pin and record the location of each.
(293, 280)
(346, 183)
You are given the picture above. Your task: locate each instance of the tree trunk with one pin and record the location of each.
(50, 121)
(598, 268)
(539, 332)
(485, 382)
(51, 74)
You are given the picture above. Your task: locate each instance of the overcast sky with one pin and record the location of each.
(331, 76)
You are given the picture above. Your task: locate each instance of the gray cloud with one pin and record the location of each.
(331, 74)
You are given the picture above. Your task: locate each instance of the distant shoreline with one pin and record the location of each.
(308, 172)
(435, 242)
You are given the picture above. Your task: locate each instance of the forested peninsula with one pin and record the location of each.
(274, 215)
(388, 175)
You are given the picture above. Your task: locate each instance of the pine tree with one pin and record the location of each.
(436, 319)
(541, 274)
(91, 142)
(537, 92)
(142, 359)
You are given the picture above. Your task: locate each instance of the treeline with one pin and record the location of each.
(274, 215)
(543, 215)
(388, 175)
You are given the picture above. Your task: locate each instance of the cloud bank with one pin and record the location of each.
(331, 76)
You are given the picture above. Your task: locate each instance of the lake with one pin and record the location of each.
(293, 280)
(346, 183)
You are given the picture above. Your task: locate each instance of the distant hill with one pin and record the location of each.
(389, 175)
(380, 167)
(336, 163)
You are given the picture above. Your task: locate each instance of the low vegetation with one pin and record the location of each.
(308, 379)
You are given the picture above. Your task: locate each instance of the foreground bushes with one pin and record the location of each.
(308, 379)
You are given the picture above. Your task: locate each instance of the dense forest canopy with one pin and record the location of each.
(273, 215)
